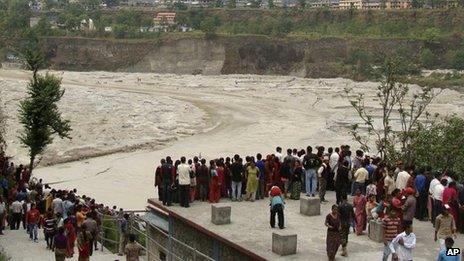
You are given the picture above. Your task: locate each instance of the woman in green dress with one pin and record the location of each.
(252, 173)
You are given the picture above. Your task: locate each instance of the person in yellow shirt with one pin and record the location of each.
(48, 201)
(360, 177)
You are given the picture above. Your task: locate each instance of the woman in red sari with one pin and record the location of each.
(222, 178)
(71, 235)
(214, 184)
(276, 180)
(359, 203)
(450, 197)
(268, 170)
(380, 174)
(397, 204)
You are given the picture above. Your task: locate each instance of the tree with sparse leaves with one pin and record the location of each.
(393, 99)
(39, 113)
(2, 126)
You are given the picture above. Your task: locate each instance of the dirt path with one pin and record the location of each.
(18, 247)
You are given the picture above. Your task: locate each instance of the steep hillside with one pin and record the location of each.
(325, 57)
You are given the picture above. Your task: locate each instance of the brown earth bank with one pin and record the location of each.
(315, 58)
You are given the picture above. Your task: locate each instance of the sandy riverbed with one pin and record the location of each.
(185, 115)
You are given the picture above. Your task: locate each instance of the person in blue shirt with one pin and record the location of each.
(4, 185)
(420, 184)
(262, 177)
(442, 256)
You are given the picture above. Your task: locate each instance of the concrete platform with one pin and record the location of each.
(251, 229)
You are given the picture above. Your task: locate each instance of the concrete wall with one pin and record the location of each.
(192, 237)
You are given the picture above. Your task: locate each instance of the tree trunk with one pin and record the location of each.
(31, 164)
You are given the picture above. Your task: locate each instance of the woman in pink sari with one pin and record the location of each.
(450, 197)
(359, 202)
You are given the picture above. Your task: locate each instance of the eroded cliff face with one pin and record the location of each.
(223, 55)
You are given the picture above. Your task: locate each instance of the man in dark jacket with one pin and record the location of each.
(237, 175)
(311, 163)
(167, 176)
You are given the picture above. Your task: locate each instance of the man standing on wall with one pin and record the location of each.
(310, 163)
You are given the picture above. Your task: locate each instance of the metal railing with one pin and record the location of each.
(110, 238)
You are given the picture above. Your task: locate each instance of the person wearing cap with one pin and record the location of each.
(322, 175)
(409, 207)
(444, 226)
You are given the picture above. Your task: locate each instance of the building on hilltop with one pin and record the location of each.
(332, 4)
(359, 4)
(398, 4)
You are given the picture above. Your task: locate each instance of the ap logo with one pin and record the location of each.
(453, 251)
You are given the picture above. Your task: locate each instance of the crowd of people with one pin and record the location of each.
(394, 195)
(69, 221)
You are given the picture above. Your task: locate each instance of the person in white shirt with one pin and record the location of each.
(278, 154)
(437, 207)
(333, 161)
(16, 209)
(183, 170)
(433, 183)
(402, 179)
(402, 245)
(57, 205)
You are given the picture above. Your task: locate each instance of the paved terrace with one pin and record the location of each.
(250, 229)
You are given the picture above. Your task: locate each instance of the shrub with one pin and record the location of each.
(458, 60)
(427, 58)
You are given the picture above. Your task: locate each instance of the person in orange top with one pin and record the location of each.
(32, 220)
(80, 216)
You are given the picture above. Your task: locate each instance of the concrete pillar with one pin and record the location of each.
(310, 206)
(220, 214)
(284, 244)
(376, 230)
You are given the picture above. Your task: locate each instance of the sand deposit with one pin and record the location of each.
(186, 115)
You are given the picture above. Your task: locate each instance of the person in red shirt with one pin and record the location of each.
(32, 220)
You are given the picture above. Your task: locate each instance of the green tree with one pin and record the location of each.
(427, 58)
(442, 137)
(208, 26)
(38, 112)
(43, 27)
(231, 4)
(458, 60)
(391, 96)
(179, 6)
(17, 17)
(283, 27)
(302, 4)
(271, 4)
(3, 125)
(255, 3)
(431, 35)
(72, 16)
(111, 3)
(417, 3)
